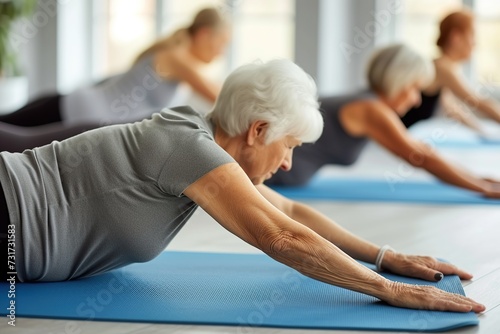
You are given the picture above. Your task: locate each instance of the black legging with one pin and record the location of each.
(4, 222)
(37, 124)
(17, 138)
(44, 110)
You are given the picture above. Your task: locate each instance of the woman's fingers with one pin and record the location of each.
(428, 297)
(450, 269)
(494, 181)
(493, 188)
(446, 301)
(414, 266)
(426, 273)
(457, 303)
(493, 194)
(431, 298)
(424, 267)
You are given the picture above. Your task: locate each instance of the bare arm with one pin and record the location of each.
(382, 125)
(260, 224)
(181, 69)
(455, 110)
(351, 244)
(417, 266)
(454, 82)
(246, 213)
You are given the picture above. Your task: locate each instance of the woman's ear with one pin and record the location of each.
(204, 33)
(257, 132)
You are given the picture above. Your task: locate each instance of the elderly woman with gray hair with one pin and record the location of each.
(396, 75)
(117, 195)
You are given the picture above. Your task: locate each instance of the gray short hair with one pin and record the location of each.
(395, 67)
(278, 92)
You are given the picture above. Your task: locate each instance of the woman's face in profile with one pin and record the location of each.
(261, 161)
(468, 42)
(464, 42)
(212, 42)
(219, 39)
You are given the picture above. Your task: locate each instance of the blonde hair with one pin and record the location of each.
(394, 68)
(208, 17)
(458, 21)
(278, 92)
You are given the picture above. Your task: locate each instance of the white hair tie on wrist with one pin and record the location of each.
(380, 256)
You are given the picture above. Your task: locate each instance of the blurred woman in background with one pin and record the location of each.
(150, 85)
(456, 42)
(396, 75)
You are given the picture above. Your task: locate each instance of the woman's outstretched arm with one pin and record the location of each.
(452, 80)
(423, 267)
(454, 109)
(242, 210)
(382, 125)
(180, 68)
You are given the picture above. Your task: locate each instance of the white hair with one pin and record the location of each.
(394, 68)
(278, 92)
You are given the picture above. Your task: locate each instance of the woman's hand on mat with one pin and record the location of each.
(423, 267)
(492, 188)
(430, 298)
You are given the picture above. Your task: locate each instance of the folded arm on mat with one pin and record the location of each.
(241, 209)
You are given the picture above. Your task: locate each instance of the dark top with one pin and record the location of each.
(335, 146)
(424, 111)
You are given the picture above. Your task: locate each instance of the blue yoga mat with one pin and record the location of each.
(478, 142)
(225, 289)
(330, 188)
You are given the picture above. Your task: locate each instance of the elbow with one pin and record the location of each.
(278, 244)
(417, 160)
(421, 157)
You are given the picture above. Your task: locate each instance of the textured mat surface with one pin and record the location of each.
(225, 289)
(330, 188)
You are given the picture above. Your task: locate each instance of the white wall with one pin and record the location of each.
(333, 43)
(74, 45)
(54, 45)
(335, 39)
(334, 69)
(37, 38)
(306, 35)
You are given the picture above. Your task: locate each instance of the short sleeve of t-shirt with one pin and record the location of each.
(196, 155)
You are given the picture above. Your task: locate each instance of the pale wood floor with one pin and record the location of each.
(468, 236)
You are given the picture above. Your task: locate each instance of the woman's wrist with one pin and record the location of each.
(477, 184)
(382, 257)
(496, 116)
(374, 285)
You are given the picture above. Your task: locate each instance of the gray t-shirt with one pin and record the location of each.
(127, 97)
(108, 197)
